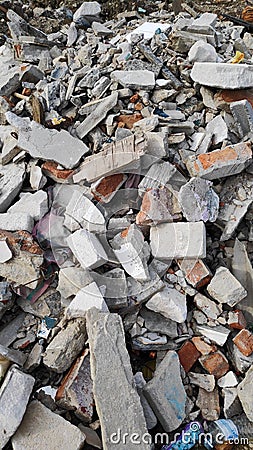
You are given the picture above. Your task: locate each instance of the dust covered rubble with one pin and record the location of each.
(126, 232)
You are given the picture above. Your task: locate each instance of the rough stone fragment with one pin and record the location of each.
(82, 213)
(166, 394)
(169, 303)
(47, 144)
(157, 323)
(229, 380)
(117, 156)
(88, 297)
(150, 417)
(243, 114)
(72, 279)
(130, 249)
(202, 52)
(12, 355)
(11, 180)
(220, 163)
(9, 80)
(141, 291)
(225, 288)
(245, 394)
(204, 381)
(39, 423)
(199, 201)
(87, 10)
(36, 204)
(188, 355)
(159, 205)
(218, 334)
(232, 406)
(195, 271)
(243, 271)
(113, 373)
(14, 395)
(5, 252)
(207, 306)
(91, 437)
(37, 179)
(134, 79)
(16, 222)
(209, 404)
(244, 341)
(215, 363)
(178, 240)
(224, 75)
(217, 127)
(75, 392)
(114, 284)
(97, 115)
(65, 346)
(87, 249)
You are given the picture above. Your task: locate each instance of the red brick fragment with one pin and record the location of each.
(244, 341)
(188, 355)
(215, 363)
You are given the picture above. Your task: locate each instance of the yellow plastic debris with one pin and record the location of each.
(237, 58)
(56, 121)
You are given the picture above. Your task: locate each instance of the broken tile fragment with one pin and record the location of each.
(106, 335)
(178, 240)
(225, 288)
(166, 394)
(38, 422)
(14, 396)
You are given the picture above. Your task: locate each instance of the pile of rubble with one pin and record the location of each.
(126, 236)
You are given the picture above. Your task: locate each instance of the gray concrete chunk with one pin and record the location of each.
(223, 75)
(225, 288)
(199, 201)
(113, 373)
(134, 79)
(45, 430)
(166, 394)
(16, 221)
(47, 144)
(11, 180)
(14, 395)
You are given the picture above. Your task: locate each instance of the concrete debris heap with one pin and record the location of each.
(126, 236)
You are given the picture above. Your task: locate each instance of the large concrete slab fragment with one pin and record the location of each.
(45, 430)
(223, 75)
(14, 395)
(52, 145)
(111, 373)
(166, 393)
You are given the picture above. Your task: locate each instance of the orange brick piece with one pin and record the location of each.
(195, 271)
(244, 341)
(220, 163)
(188, 355)
(215, 363)
(202, 346)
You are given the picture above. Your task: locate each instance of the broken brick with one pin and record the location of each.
(188, 355)
(244, 341)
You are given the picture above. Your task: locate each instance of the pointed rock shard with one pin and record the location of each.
(166, 394)
(97, 115)
(242, 270)
(111, 372)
